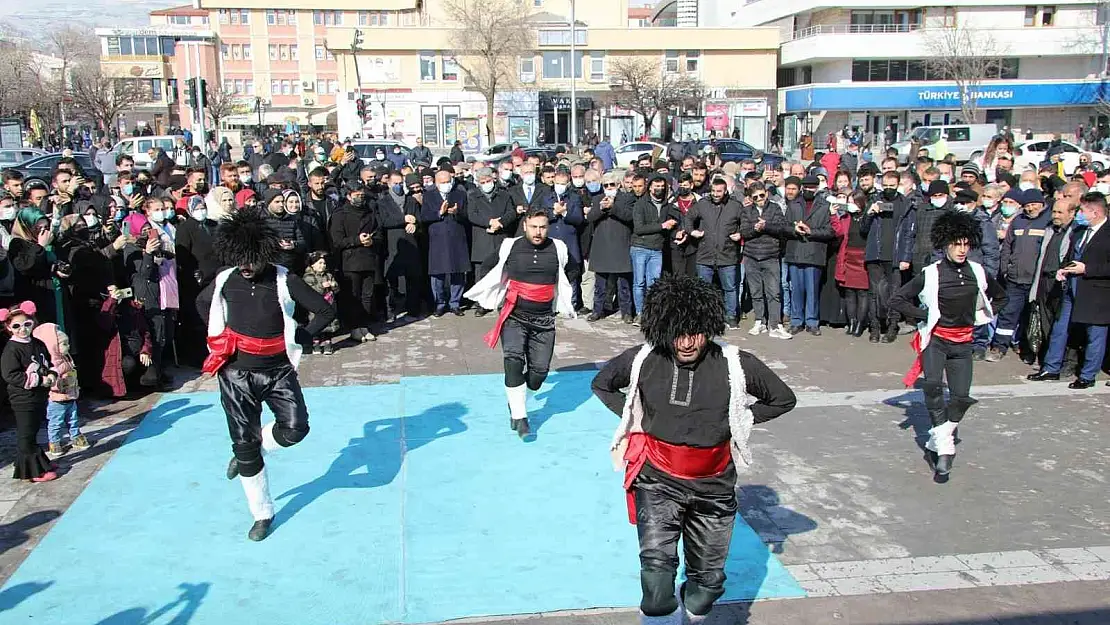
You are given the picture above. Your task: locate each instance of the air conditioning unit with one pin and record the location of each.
(308, 101)
(308, 85)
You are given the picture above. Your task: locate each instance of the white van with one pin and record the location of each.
(136, 148)
(966, 141)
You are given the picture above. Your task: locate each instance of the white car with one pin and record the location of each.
(1032, 154)
(629, 152)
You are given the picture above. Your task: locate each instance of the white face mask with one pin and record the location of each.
(989, 202)
(946, 177)
(1025, 186)
(445, 188)
(157, 216)
(245, 178)
(200, 214)
(7, 213)
(560, 189)
(821, 186)
(529, 179)
(578, 182)
(610, 193)
(486, 187)
(964, 208)
(851, 207)
(938, 201)
(91, 220)
(506, 174)
(1103, 188)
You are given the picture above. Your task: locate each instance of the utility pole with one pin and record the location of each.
(576, 66)
(358, 79)
(1103, 9)
(199, 138)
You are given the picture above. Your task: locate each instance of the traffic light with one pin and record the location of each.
(359, 40)
(203, 93)
(360, 105)
(191, 93)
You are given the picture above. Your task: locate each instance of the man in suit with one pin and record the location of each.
(529, 194)
(1086, 271)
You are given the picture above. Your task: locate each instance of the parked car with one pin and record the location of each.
(9, 157)
(545, 152)
(495, 152)
(42, 167)
(1033, 153)
(629, 153)
(136, 148)
(966, 141)
(366, 149)
(735, 150)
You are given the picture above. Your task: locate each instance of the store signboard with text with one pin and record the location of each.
(943, 96)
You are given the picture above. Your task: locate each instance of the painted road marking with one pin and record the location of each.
(822, 399)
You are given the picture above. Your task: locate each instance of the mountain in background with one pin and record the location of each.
(29, 18)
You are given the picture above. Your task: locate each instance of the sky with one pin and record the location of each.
(34, 17)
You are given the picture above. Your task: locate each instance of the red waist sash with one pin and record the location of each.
(952, 335)
(533, 292)
(681, 461)
(222, 346)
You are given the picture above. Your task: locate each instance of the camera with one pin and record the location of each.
(62, 266)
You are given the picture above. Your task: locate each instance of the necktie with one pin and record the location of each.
(1082, 243)
(528, 193)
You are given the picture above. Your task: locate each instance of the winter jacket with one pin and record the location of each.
(1021, 249)
(717, 221)
(647, 220)
(767, 243)
(65, 388)
(811, 249)
(874, 227)
(346, 225)
(612, 235)
(988, 252)
(565, 227)
(288, 229)
(924, 217)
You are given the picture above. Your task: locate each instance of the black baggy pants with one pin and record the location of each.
(939, 360)
(242, 394)
(526, 344)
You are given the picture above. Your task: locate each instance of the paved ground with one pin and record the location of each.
(839, 492)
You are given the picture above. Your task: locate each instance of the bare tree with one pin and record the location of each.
(640, 84)
(222, 104)
(488, 38)
(75, 47)
(966, 56)
(102, 97)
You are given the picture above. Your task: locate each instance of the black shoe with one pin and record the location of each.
(1081, 384)
(850, 328)
(891, 335)
(458, 312)
(813, 331)
(979, 354)
(875, 336)
(628, 319)
(1042, 376)
(439, 312)
(481, 312)
(944, 465)
(583, 311)
(796, 329)
(859, 329)
(260, 530)
(733, 323)
(636, 321)
(358, 334)
(233, 469)
(522, 428)
(594, 317)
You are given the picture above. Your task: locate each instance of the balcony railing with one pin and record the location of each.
(853, 29)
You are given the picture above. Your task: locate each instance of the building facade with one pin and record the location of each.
(863, 63)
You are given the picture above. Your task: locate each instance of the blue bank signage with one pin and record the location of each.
(865, 96)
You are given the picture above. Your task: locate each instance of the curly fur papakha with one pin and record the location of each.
(245, 238)
(955, 226)
(681, 306)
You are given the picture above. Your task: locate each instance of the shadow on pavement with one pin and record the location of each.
(15, 534)
(15, 595)
(186, 605)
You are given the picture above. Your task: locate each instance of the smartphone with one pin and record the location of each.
(125, 293)
(127, 228)
(886, 207)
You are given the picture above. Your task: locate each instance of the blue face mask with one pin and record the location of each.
(128, 189)
(1081, 219)
(593, 187)
(398, 189)
(925, 186)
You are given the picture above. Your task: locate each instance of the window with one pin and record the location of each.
(537, 3)
(246, 51)
(248, 86)
(244, 16)
(271, 17)
(373, 18)
(294, 55)
(327, 18)
(693, 61)
(280, 17)
(1048, 16)
(156, 89)
(861, 71)
(273, 52)
(172, 90)
(597, 66)
(949, 17)
(321, 86)
(1009, 69)
(296, 87)
(1030, 16)
(125, 46)
(427, 66)
(561, 37)
(319, 52)
(333, 86)
(238, 87)
(408, 18)
(229, 85)
(113, 46)
(527, 69)
(167, 45)
(959, 133)
(222, 16)
(558, 65)
(900, 70)
(275, 87)
(670, 61)
(180, 20)
(450, 69)
(880, 71)
(225, 51)
(237, 52)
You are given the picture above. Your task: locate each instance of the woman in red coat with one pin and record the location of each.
(848, 210)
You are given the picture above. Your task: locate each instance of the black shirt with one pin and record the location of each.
(1052, 252)
(534, 264)
(687, 404)
(252, 308)
(15, 360)
(958, 295)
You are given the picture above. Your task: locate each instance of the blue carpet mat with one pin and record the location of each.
(407, 503)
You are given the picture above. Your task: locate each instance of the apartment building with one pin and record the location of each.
(865, 63)
(415, 87)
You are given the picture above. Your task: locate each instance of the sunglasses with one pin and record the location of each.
(26, 325)
(758, 196)
(609, 185)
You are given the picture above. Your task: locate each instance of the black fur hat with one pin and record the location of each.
(244, 238)
(678, 305)
(954, 226)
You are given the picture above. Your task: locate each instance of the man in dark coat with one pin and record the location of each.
(398, 214)
(529, 194)
(888, 254)
(714, 222)
(197, 265)
(444, 212)
(806, 255)
(1086, 274)
(610, 246)
(565, 217)
(356, 238)
(161, 166)
(489, 208)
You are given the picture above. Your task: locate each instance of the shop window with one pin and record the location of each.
(427, 66)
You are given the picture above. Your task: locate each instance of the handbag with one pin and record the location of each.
(1035, 331)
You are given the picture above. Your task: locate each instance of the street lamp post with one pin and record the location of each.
(575, 67)
(258, 108)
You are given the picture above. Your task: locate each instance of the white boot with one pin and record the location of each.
(674, 618)
(269, 443)
(942, 439)
(518, 401)
(257, 489)
(695, 619)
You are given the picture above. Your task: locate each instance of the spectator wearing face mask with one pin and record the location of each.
(938, 200)
(150, 267)
(888, 226)
(530, 193)
(610, 245)
(356, 237)
(762, 228)
(444, 213)
(399, 214)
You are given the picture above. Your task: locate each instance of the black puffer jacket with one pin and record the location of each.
(767, 243)
(289, 229)
(346, 224)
